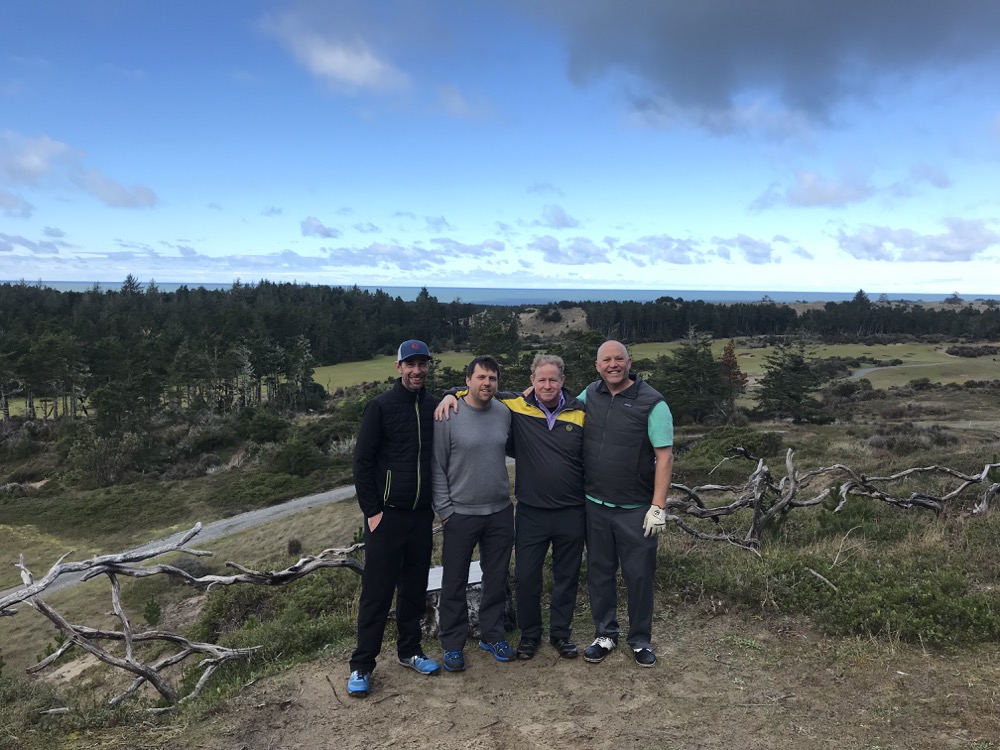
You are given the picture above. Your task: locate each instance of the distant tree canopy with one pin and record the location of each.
(132, 353)
(136, 351)
(669, 319)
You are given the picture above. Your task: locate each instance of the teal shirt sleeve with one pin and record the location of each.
(660, 426)
(583, 396)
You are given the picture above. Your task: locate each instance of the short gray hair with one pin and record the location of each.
(547, 359)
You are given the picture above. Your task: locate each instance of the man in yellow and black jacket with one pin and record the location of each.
(546, 441)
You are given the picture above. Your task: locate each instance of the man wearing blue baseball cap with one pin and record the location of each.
(392, 477)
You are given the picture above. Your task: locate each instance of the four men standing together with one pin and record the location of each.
(596, 467)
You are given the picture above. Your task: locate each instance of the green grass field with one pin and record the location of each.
(919, 361)
(347, 374)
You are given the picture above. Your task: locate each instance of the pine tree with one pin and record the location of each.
(690, 381)
(733, 377)
(785, 387)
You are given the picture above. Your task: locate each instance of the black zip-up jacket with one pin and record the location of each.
(549, 470)
(392, 460)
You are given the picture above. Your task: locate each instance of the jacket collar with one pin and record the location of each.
(404, 392)
(631, 392)
(571, 401)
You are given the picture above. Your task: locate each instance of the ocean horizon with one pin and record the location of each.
(541, 296)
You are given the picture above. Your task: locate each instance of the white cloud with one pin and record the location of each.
(460, 249)
(756, 252)
(575, 252)
(9, 242)
(335, 54)
(390, 256)
(963, 240)
(812, 189)
(14, 206)
(313, 227)
(455, 104)
(26, 161)
(111, 192)
(659, 248)
(437, 223)
(544, 188)
(38, 161)
(556, 217)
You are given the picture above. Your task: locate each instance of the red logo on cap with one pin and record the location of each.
(414, 345)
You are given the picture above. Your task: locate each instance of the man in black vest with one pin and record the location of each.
(392, 477)
(628, 460)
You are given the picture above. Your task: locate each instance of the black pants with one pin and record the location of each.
(397, 557)
(495, 536)
(614, 535)
(535, 529)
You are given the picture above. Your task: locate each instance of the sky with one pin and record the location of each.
(629, 144)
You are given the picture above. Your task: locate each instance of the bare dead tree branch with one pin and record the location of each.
(767, 500)
(124, 564)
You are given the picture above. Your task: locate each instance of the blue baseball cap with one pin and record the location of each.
(412, 348)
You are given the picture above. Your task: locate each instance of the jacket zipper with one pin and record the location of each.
(420, 448)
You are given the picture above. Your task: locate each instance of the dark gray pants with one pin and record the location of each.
(614, 536)
(495, 536)
(535, 530)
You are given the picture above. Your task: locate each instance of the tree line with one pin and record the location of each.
(129, 353)
(669, 319)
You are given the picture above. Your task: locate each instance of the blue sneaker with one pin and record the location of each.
(359, 684)
(454, 661)
(501, 650)
(421, 664)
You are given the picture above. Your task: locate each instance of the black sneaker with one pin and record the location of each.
(601, 647)
(527, 648)
(644, 657)
(565, 646)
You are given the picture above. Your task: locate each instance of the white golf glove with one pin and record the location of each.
(655, 521)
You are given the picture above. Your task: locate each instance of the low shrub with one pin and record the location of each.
(286, 621)
(920, 597)
(297, 457)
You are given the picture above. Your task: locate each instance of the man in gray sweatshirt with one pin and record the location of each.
(472, 498)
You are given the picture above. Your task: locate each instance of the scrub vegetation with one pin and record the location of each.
(852, 591)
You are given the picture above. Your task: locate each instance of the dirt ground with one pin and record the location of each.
(721, 682)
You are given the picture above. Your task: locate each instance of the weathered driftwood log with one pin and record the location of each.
(113, 566)
(125, 564)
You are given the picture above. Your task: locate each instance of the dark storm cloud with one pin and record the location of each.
(808, 54)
